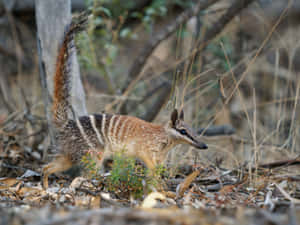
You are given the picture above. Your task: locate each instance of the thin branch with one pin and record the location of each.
(138, 65)
(135, 70)
(232, 11)
(217, 28)
(141, 59)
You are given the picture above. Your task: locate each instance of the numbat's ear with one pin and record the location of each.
(174, 117)
(181, 115)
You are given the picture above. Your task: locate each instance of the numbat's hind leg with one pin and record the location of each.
(59, 164)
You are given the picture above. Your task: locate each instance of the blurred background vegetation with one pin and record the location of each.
(224, 64)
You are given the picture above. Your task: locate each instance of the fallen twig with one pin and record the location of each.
(287, 196)
(288, 162)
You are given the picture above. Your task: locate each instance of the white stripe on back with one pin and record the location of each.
(85, 137)
(92, 118)
(121, 130)
(115, 131)
(103, 126)
(111, 124)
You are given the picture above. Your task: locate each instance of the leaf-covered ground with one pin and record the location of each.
(206, 196)
(195, 194)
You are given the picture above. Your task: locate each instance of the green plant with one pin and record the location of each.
(89, 163)
(131, 178)
(127, 177)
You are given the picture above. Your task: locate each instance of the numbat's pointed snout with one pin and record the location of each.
(201, 145)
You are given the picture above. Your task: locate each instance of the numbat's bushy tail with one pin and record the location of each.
(62, 77)
(104, 133)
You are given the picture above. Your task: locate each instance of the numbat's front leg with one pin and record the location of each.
(60, 164)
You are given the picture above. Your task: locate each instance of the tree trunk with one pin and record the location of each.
(52, 18)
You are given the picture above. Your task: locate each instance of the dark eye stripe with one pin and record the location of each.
(185, 133)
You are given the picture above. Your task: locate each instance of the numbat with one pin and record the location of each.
(105, 133)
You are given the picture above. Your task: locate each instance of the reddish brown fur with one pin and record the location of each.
(59, 85)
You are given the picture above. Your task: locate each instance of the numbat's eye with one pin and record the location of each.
(183, 132)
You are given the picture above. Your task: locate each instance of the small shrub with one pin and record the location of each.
(90, 165)
(126, 176)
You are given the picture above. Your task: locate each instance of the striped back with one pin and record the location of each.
(101, 132)
(105, 130)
